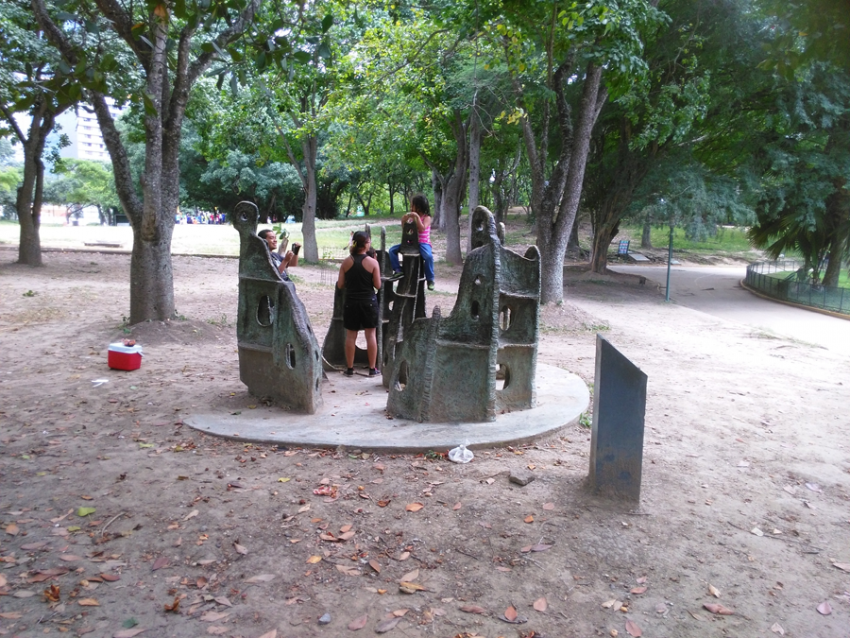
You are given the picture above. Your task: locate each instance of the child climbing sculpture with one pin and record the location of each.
(420, 212)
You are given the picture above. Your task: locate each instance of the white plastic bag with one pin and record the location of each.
(460, 454)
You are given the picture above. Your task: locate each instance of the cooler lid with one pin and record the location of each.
(120, 347)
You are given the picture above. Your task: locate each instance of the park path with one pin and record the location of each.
(716, 290)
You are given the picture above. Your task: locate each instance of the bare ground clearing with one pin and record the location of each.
(745, 487)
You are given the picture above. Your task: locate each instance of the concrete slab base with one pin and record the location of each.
(354, 416)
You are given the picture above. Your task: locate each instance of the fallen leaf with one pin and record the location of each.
(28, 547)
(756, 531)
(159, 563)
(88, 602)
(69, 557)
(638, 590)
(85, 511)
(410, 588)
(240, 549)
(387, 624)
(128, 633)
(824, 609)
(375, 565)
(814, 487)
(217, 630)
(358, 623)
(457, 506)
(400, 612)
(414, 507)
(410, 576)
(12, 529)
(314, 559)
(404, 556)
(632, 629)
(23, 593)
(540, 547)
(51, 594)
(529, 519)
(264, 578)
(2, 580)
(350, 570)
(191, 514)
(548, 506)
(510, 613)
(696, 616)
(609, 603)
(473, 609)
(713, 591)
(540, 604)
(214, 616)
(110, 578)
(777, 629)
(347, 535)
(174, 606)
(222, 600)
(10, 615)
(714, 608)
(845, 567)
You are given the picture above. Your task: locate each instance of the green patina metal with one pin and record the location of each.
(333, 347)
(404, 302)
(481, 360)
(279, 356)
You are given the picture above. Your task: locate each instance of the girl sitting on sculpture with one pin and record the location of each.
(421, 214)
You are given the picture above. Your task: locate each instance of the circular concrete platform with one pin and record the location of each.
(354, 416)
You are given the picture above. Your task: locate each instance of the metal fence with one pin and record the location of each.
(792, 287)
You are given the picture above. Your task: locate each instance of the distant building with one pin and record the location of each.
(83, 131)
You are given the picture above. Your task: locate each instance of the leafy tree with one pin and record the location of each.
(154, 52)
(88, 183)
(564, 59)
(30, 78)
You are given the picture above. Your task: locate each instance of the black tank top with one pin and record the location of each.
(358, 281)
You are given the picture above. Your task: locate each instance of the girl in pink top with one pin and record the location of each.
(421, 214)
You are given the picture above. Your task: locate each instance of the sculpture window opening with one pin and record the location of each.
(505, 318)
(475, 310)
(265, 311)
(401, 383)
(289, 355)
(503, 376)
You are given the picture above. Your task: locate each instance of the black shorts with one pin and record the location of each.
(360, 315)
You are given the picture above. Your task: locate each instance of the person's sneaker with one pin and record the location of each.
(349, 372)
(374, 372)
(430, 285)
(295, 248)
(395, 276)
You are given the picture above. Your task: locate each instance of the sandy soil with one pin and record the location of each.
(744, 503)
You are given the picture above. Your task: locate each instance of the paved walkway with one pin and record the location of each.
(716, 290)
(353, 415)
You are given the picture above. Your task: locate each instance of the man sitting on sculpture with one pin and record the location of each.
(281, 257)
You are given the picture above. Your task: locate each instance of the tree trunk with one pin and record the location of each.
(474, 170)
(437, 188)
(601, 242)
(573, 247)
(555, 233)
(151, 276)
(309, 147)
(646, 236)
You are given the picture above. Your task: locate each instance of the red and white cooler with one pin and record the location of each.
(123, 357)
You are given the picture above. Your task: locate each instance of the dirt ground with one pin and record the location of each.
(744, 508)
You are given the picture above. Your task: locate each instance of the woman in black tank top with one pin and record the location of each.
(360, 276)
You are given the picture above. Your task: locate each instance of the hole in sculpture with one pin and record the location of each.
(317, 384)
(401, 383)
(503, 376)
(480, 227)
(316, 354)
(360, 343)
(474, 310)
(477, 280)
(505, 318)
(289, 355)
(244, 216)
(265, 311)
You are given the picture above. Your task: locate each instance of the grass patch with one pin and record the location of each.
(727, 241)
(843, 277)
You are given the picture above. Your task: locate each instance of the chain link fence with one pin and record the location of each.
(785, 280)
